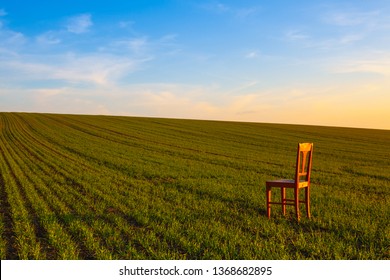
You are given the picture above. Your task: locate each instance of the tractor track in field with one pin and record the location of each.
(40, 232)
(5, 209)
(37, 218)
(195, 153)
(49, 148)
(137, 138)
(80, 191)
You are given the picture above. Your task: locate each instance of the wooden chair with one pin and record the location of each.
(301, 181)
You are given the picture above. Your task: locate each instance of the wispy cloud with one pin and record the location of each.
(350, 18)
(235, 11)
(319, 41)
(216, 7)
(93, 69)
(246, 12)
(126, 24)
(377, 62)
(350, 38)
(72, 69)
(48, 38)
(341, 41)
(79, 24)
(252, 54)
(136, 45)
(340, 27)
(10, 39)
(2, 13)
(296, 35)
(363, 21)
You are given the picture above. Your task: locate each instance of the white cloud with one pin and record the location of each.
(359, 21)
(11, 39)
(168, 39)
(350, 38)
(377, 62)
(317, 41)
(296, 35)
(344, 40)
(216, 7)
(348, 28)
(234, 11)
(70, 69)
(47, 92)
(136, 45)
(48, 38)
(252, 54)
(246, 12)
(79, 24)
(96, 69)
(2, 13)
(348, 18)
(126, 24)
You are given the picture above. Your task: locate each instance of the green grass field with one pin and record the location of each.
(101, 187)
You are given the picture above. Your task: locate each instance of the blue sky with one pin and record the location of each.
(306, 62)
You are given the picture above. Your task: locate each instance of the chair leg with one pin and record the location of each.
(307, 199)
(296, 202)
(283, 198)
(268, 194)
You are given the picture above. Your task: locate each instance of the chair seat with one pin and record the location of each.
(285, 183)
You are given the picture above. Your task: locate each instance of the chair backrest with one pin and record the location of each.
(303, 166)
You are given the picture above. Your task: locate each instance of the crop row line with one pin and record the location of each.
(56, 231)
(88, 234)
(96, 191)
